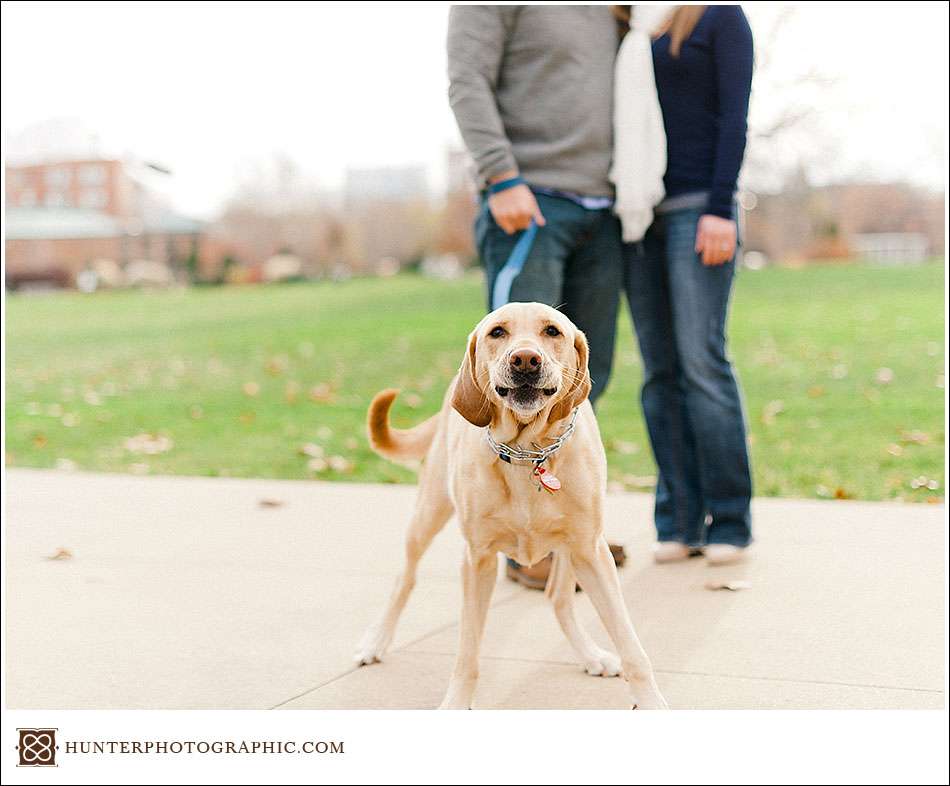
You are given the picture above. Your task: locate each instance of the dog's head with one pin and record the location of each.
(526, 358)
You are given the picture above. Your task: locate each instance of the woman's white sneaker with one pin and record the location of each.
(724, 554)
(670, 551)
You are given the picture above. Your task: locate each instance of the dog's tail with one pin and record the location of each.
(397, 444)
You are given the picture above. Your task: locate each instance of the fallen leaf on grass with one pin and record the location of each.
(772, 410)
(894, 449)
(251, 388)
(317, 464)
(276, 365)
(149, 444)
(915, 437)
(623, 448)
(322, 393)
(841, 493)
(311, 449)
(60, 554)
(884, 376)
(816, 391)
(339, 464)
(733, 586)
(40, 441)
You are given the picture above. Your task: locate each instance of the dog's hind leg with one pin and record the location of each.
(479, 573)
(433, 508)
(595, 660)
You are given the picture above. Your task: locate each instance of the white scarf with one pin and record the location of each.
(639, 160)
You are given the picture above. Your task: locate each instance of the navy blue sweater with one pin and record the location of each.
(704, 95)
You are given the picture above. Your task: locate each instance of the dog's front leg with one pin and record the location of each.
(598, 576)
(560, 588)
(479, 573)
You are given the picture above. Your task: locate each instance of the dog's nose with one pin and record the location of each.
(525, 360)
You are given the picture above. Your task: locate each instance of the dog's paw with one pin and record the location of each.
(371, 648)
(367, 657)
(604, 664)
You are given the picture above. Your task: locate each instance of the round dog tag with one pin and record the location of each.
(549, 481)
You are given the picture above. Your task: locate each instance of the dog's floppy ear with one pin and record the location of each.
(468, 399)
(579, 385)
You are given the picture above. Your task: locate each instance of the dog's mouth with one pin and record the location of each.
(526, 390)
(524, 393)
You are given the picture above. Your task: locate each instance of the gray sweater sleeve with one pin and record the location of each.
(476, 46)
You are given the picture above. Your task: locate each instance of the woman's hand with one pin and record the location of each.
(514, 208)
(715, 239)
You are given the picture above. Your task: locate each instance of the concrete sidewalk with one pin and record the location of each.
(188, 593)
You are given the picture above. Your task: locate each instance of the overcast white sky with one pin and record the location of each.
(208, 89)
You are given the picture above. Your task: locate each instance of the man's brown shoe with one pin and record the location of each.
(536, 576)
(619, 555)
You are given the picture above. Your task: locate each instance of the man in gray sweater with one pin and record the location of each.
(532, 90)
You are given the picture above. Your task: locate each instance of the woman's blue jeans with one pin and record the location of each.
(691, 400)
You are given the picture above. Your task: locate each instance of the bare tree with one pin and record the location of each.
(788, 136)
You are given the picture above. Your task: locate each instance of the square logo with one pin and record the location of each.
(37, 748)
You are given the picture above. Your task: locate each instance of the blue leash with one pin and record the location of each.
(501, 290)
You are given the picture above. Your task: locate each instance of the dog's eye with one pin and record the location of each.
(552, 331)
(497, 332)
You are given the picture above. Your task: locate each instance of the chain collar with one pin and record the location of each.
(537, 456)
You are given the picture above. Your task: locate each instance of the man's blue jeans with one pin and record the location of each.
(691, 401)
(575, 264)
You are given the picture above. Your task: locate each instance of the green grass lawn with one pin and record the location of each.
(842, 368)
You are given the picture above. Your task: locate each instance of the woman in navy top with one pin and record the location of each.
(678, 282)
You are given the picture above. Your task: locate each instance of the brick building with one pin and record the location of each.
(63, 217)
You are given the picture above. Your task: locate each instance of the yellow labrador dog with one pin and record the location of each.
(515, 452)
